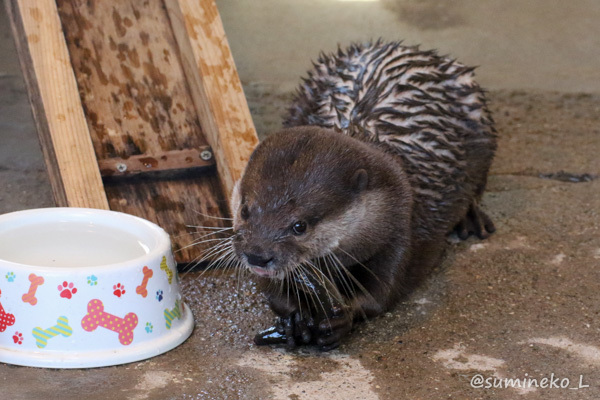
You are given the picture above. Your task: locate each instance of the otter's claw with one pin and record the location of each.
(475, 222)
(332, 330)
(303, 328)
(291, 331)
(269, 336)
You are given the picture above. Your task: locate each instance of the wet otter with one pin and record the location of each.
(387, 149)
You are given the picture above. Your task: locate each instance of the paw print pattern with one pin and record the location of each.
(149, 327)
(92, 280)
(18, 338)
(159, 295)
(119, 290)
(67, 290)
(10, 276)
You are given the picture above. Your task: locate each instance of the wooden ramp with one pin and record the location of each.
(138, 107)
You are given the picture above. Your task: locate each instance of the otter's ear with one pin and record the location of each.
(360, 180)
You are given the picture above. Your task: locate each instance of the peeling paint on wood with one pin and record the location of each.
(127, 84)
(215, 85)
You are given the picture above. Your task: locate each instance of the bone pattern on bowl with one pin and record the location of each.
(6, 319)
(96, 315)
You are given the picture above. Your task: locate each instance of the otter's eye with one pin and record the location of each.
(244, 213)
(299, 228)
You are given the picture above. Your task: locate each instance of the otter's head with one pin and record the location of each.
(296, 200)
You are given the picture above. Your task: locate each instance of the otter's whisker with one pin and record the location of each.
(285, 281)
(212, 216)
(294, 280)
(221, 261)
(196, 239)
(233, 263)
(315, 296)
(212, 251)
(203, 227)
(344, 283)
(219, 249)
(202, 256)
(325, 271)
(216, 232)
(339, 267)
(322, 279)
(306, 286)
(353, 278)
(364, 267)
(331, 291)
(309, 290)
(203, 242)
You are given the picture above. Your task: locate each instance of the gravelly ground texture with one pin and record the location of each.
(523, 305)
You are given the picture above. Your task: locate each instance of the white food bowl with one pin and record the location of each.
(84, 288)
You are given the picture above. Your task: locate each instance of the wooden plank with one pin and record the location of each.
(170, 161)
(215, 86)
(56, 105)
(139, 108)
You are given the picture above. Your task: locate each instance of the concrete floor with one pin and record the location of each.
(523, 304)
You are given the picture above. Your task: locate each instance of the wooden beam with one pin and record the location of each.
(215, 86)
(57, 109)
(175, 160)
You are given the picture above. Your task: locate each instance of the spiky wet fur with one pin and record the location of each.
(425, 108)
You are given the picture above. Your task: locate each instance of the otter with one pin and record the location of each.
(386, 149)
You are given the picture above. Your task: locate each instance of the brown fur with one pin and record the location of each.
(312, 174)
(340, 218)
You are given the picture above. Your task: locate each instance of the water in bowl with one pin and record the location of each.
(69, 244)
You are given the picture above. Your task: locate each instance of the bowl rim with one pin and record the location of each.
(162, 247)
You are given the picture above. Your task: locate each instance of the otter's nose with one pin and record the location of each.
(258, 260)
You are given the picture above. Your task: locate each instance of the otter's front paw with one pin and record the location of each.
(331, 330)
(292, 330)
